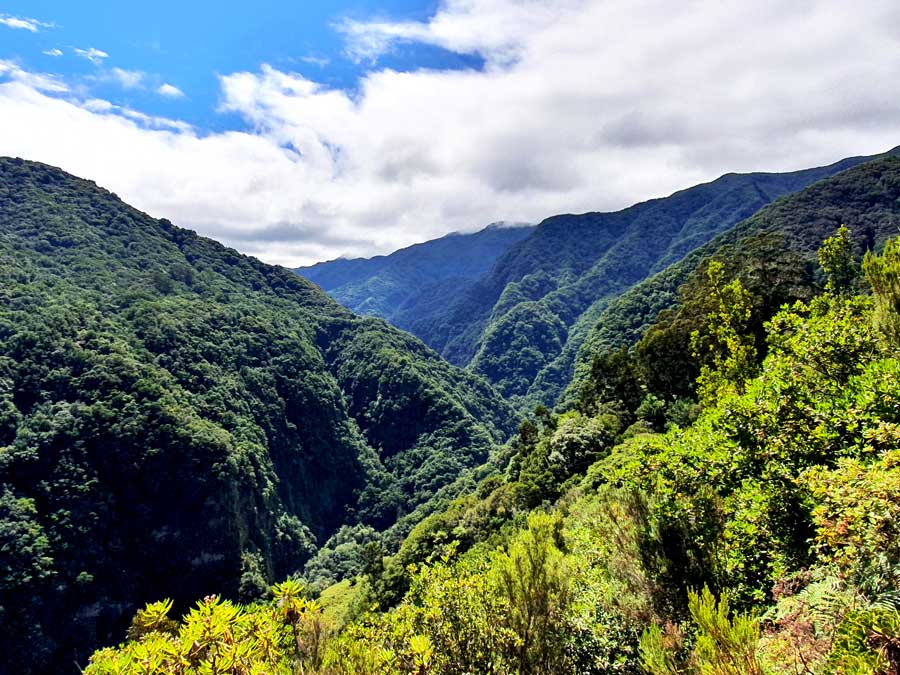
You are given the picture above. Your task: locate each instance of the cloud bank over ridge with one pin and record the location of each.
(581, 105)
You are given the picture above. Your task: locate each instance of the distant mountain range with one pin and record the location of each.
(516, 305)
(410, 287)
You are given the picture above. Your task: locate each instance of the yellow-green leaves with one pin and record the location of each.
(423, 652)
(218, 637)
(883, 273)
(154, 617)
(836, 259)
(726, 346)
(857, 513)
(725, 643)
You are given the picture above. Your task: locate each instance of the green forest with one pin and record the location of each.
(178, 419)
(208, 466)
(523, 322)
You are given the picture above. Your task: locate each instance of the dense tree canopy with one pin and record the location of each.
(182, 425)
(178, 419)
(521, 320)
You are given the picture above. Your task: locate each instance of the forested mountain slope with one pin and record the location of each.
(410, 285)
(522, 322)
(177, 419)
(774, 252)
(752, 530)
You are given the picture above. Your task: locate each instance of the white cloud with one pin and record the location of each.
(23, 23)
(98, 105)
(41, 82)
(499, 30)
(127, 79)
(153, 121)
(320, 61)
(92, 54)
(53, 52)
(582, 105)
(169, 91)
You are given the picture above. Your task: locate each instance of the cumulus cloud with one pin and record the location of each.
(581, 105)
(169, 91)
(23, 23)
(499, 30)
(92, 54)
(53, 52)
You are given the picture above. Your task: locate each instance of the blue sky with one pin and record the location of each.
(189, 43)
(299, 132)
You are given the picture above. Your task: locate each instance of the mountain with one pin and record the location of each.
(521, 323)
(409, 286)
(864, 198)
(177, 419)
(752, 529)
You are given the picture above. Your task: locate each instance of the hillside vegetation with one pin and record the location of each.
(774, 252)
(410, 286)
(522, 322)
(177, 419)
(760, 538)
(183, 426)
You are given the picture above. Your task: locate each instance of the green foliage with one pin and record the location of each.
(728, 500)
(717, 330)
(187, 423)
(857, 513)
(883, 274)
(614, 382)
(533, 581)
(521, 319)
(804, 451)
(726, 347)
(773, 253)
(867, 642)
(23, 542)
(409, 287)
(836, 260)
(178, 420)
(660, 650)
(725, 644)
(565, 446)
(152, 618)
(345, 555)
(800, 627)
(217, 637)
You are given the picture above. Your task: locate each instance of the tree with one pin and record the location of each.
(836, 260)
(726, 345)
(725, 644)
(533, 579)
(883, 274)
(613, 381)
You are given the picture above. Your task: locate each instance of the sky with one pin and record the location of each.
(304, 131)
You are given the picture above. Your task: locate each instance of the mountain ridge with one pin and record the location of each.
(203, 420)
(396, 285)
(521, 323)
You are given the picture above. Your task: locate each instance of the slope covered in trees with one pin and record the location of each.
(774, 252)
(521, 323)
(759, 539)
(408, 287)
(177, 419)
